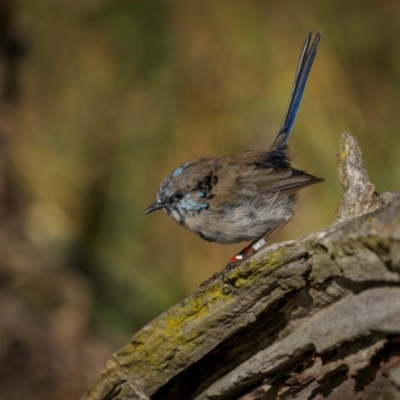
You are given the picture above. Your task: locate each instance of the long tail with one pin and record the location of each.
(303, 68)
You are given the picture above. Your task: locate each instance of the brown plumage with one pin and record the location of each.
(244, 196)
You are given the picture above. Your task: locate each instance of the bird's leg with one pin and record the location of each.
(247, 252)
(254, 246)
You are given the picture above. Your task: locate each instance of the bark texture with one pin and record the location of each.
(316, 318)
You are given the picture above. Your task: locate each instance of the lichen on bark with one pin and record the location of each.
(312, 318)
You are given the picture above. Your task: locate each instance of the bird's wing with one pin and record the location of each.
(240, 178)
(282, 182)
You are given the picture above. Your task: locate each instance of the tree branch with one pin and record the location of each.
(316, 316)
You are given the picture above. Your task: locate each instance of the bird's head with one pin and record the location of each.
(179, 194)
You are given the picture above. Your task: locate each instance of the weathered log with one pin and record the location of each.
(314, 318)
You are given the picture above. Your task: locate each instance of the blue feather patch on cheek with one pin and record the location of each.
(192, 205)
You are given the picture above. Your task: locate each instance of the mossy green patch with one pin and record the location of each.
(174, 331)
(244, 275)
(323, 268)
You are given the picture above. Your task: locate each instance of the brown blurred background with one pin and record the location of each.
(101, 99)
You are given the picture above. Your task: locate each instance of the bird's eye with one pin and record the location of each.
(178, 195)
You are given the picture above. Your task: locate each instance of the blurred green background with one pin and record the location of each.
(115, 94)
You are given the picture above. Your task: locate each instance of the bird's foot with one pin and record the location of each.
(253, 247)
(246, 253)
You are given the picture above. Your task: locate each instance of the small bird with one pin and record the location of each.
(244, 196)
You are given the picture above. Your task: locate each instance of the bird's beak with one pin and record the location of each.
(155, 206)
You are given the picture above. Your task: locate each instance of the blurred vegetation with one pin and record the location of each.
(115, 94)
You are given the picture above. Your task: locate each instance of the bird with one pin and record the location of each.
(246, 196)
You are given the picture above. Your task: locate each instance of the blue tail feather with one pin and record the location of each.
(303, 69)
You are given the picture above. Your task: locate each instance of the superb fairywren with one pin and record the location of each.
(245, 196)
